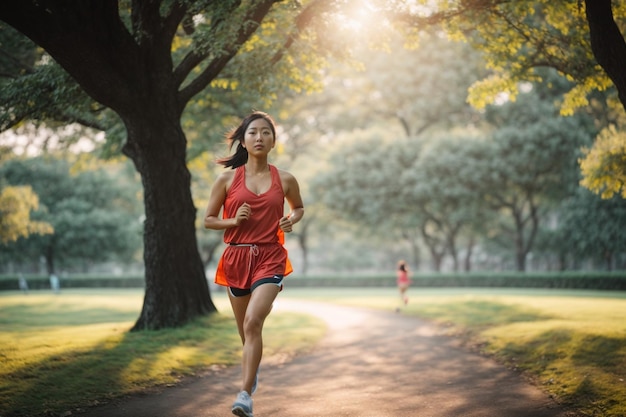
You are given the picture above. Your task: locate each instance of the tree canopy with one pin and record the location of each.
(580, 39)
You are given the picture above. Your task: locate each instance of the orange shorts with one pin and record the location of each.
(242, 265)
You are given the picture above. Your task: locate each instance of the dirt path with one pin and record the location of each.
(371, 364)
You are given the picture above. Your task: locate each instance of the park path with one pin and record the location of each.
(370, 364)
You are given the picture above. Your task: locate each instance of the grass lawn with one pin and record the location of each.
(571, 343)
(66, 351)
(60, 352)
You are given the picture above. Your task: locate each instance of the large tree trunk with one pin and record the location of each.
(135, 79)
(467, 260)
(520, 244)
(607, 43)
(50, 259)
(608, 260)
(451, 235)
(437, 252)
(176, 286)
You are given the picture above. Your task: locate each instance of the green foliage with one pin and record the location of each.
(423, 91)
(92, 215)
(36, 89)
(40, 94)
(592, 227)
(604, 164)
(16, 204)
(262, 73)
(531, 165)
(20, 54)
(499, 185)
(359, 187)
(519, 37)
(39, 91)
(436, 198)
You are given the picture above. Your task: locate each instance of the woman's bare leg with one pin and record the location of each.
(239, 305)
(257, 307)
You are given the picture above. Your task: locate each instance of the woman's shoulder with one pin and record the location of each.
(284, 175)
(225, 178)
(226, 175)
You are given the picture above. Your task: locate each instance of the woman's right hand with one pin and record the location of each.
(243, 213)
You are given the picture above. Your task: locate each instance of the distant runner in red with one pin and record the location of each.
(252, 195)
(403, 281)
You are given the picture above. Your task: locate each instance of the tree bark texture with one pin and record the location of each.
(176, 286)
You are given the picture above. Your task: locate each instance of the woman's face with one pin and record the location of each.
(258, 137)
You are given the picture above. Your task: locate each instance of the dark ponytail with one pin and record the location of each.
(402, 266)
(240, 157)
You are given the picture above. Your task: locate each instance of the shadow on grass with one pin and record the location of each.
(594, 400)
(607, 353)
(120, 364)
(539, 353)
(598, 363)
(591, 382)
(603, 392)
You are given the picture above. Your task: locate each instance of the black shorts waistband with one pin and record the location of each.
(251, 244)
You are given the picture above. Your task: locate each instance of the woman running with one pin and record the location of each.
(252, 195)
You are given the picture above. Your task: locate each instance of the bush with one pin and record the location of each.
(564, 280)
(41, 282)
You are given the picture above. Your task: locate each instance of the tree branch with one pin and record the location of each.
(146, 19)
(18, 63)
(194, 57)
(302, 21)
(250, 22)
(74, 32)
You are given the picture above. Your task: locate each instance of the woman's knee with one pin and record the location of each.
(252, 325)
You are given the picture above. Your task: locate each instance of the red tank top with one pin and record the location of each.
(267, 209)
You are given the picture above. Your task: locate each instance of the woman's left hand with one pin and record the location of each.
(285, 224)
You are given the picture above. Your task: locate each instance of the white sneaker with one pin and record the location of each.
(242, 406)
